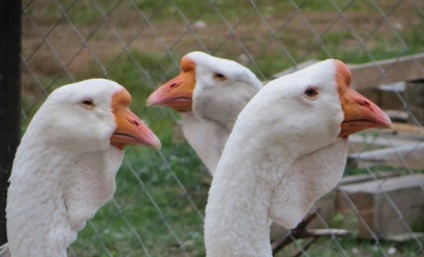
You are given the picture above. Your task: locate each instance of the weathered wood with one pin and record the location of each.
(396, 115)
(397, 87)
(390, 96)
(369, 75)
(402, 237)
(410, 156)
(367, 177)
(399, 128)
(384, 208)
(366, 141)
(327, 203)
(366, 77)
(414, 96)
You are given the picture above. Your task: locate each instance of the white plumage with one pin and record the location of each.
(288, 148)
(64, 169)
(209, 92)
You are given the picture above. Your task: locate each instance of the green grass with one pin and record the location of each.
(348, 247)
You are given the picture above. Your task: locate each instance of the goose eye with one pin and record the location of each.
(311, 92)
(219, 76)
(87, 103)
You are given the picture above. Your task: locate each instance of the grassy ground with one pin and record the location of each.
(161, 196)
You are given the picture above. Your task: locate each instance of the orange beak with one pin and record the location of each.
(178, 92)
(359, 112)
(130, 130)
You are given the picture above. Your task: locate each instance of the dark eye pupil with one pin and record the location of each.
(219, 76)
(87, 102)
(310, 92)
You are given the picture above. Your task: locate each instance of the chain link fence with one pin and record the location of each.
(159, 204)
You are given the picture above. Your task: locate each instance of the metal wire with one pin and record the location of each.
(254, 33)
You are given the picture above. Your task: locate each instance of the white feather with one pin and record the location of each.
(64, 170)
(216, 104)
(266, 163)
(4, 251)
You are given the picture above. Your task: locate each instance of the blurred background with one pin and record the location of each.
(158, 208)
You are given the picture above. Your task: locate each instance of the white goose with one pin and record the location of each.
(209, 93)
(286, 146)
(65, 166)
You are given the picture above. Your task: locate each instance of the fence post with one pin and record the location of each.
(10, 96)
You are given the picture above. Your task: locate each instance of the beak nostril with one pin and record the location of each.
(135, 122)
(367, 104)
(173, 85)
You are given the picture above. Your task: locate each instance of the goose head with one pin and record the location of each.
(311, 108)
(277, 156)
(209, 93)
(321, 110)
(65, 166)
(207, 84)
(299, 125)
(91, 115)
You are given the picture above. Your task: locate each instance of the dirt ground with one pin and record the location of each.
(258, 37)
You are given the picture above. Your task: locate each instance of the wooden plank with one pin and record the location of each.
(399, 128)
(410, 156)
(397, 87)
(368, 75)
(384, 208)
(385, 185)
(367, 177)
(402, 237)
(390, 96)
(369, 141)
(327, 204)
(396, 115)
(414, 96)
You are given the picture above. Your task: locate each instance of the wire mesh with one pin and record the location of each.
(159, 204)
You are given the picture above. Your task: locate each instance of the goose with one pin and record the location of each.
(209, 93)
(286, 145)
(65, 166)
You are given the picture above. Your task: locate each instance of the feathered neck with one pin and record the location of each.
(236, 222)
(207, 137)
(209, 125)
(52, 193)
(251, 188)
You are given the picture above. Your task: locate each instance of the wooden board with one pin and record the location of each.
(410, 156)
(384, 208)
(366, 77)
